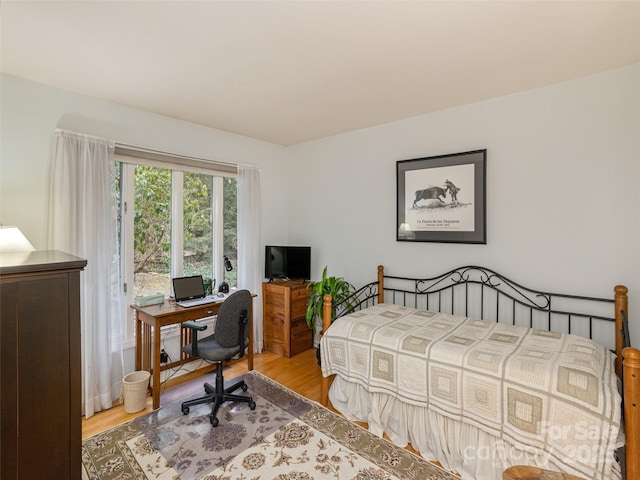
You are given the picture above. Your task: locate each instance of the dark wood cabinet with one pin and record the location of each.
(284, 306)
(40, 375)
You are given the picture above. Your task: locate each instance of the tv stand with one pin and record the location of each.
(286, 332)
(287, 279)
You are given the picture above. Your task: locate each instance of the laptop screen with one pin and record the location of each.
(186, 288)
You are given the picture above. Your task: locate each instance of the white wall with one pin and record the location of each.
(563, 180)
(563, 190)
(31, 112)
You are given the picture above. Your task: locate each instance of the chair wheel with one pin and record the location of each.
(185, 410)
(252, 405)
(214, 421)
(244, 387)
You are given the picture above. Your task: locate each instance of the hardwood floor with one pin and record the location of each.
(300, 374)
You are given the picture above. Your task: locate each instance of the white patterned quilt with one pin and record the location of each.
(554, 396)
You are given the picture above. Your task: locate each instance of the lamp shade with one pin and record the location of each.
(405, 231)
(12, 241)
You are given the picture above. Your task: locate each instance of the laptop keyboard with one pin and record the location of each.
(201, 301)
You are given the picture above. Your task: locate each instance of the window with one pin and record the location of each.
(151, 230)
(175, 222)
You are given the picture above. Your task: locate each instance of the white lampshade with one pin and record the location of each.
(405, 231)
(404, 228)
(12, 241)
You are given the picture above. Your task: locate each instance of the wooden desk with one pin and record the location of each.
(149, 322)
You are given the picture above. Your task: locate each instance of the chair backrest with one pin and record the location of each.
(235, 307)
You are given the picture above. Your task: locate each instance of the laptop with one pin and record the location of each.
(189, 292)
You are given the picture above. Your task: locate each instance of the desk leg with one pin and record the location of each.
(250, 348)
(138, 342)
(156, 367)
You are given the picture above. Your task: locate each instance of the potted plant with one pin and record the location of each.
(340, 291)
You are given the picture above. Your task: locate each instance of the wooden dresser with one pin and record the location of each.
(284, 306)
(40, 378)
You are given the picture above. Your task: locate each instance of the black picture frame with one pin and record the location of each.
(442, 198)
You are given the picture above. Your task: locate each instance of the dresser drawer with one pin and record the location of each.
(301, 337)
(299, 307)
(299, 325)
(299, 302)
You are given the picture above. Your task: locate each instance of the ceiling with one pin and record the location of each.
(293, 71)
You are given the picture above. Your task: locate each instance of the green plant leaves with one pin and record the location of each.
(337, 287)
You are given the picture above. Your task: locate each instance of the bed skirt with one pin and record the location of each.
(458, 447)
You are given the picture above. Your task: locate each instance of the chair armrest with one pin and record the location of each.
(194, 325)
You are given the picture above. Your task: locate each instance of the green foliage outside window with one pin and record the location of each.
(152, 220)
(231, 227)
(152, 237)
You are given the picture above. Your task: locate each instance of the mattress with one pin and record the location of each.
(477, 396)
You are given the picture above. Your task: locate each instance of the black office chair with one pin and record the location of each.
(230, 339)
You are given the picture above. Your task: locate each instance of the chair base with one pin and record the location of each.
(219, 395)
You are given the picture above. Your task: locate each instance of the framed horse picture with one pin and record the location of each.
(442, 198)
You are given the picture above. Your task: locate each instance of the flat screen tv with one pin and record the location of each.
(293, 263)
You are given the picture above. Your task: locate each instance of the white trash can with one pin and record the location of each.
(134, 391)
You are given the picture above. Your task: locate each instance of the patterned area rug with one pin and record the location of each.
(286, 437)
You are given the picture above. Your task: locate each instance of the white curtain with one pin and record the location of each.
(249, 243)
(83, 222)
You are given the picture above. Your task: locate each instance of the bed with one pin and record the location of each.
(480, 373)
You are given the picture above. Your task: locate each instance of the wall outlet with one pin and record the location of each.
(164, 356)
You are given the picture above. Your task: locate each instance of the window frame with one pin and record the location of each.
(127, 164)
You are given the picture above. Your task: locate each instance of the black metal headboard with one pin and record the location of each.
(480, 292)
